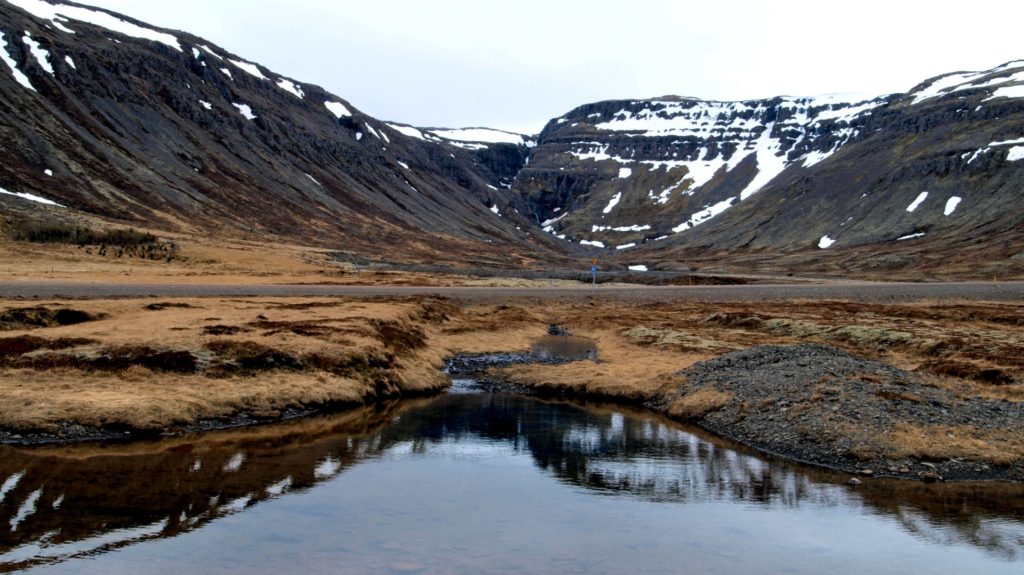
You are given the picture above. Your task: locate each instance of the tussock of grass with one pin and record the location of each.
(941, 442)
(698, 403)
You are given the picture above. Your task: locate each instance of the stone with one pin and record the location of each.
(854, 481)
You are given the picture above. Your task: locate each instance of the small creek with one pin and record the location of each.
(479, 482)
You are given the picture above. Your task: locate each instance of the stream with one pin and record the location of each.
(477, 482)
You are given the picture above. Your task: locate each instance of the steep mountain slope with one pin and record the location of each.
(102, 116)
(675, 179)
(108, 116)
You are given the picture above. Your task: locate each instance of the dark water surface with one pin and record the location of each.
(481, 483)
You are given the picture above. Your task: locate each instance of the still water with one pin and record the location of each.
(481, 483)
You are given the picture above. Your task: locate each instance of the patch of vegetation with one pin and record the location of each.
(39, 316)
(222, 329)
(399, 338)
(159, 306)
(67, 234)
(118, 242)
(235, 356)
(699, 403)
(109, 359)
(22, 344)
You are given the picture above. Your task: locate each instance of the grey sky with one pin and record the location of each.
(515, 65)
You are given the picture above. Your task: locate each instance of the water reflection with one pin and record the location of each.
(564, 347)
(62, 502)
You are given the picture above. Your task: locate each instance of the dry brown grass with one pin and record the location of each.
(699, 403)
(115, 370)
(623, 371)
(942, 442)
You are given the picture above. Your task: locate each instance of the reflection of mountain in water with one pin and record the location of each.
(62, 502)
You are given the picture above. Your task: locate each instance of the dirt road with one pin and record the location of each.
(853, 291)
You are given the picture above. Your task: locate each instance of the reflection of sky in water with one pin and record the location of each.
(463, 484)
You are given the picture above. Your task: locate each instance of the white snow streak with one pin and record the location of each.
(1008, 92)
(910, 236)
(31, 198)
(407, 131)
(51, 12)
(625, 173)
(19, 76)
(249, 68)
(825, 242)
(494, 209)
(289, 86)
(338, 109)
(480, 135)
(626, 246)
(245, 110)
(612, 203)
(917, 201)
(704, 215)
(70, 62)
(206, 104)
(41, 54)
(1015, 153)
(594, 243)
(951, 205)
(638, 268)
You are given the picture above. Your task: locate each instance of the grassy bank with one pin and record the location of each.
(153, 365)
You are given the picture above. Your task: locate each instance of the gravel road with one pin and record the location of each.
(853, 291)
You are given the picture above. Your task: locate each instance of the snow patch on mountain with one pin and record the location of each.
(704, 215)
(244, 110)
(249, 68)
(19, 76)
(289, 86)
(41, 54)
(53, 12)
(612, 203)
(31, 198)
(487, 135)
(338, 109)
(917, 201)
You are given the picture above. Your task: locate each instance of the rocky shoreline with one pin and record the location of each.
(821, 406)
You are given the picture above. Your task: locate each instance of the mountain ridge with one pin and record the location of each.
(164, 129)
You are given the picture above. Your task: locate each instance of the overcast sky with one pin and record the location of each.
(516, 64)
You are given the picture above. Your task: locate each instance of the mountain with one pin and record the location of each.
(111, 117)
(827, 183)
(103, 116)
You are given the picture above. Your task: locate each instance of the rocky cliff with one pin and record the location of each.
(671, 179)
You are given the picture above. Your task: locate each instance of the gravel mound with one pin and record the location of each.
(823, 406)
